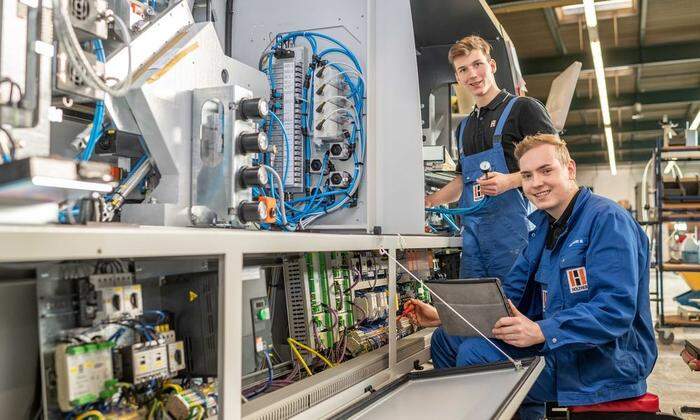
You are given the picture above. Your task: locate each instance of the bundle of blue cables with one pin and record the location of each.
(322, 199)
(98, 118)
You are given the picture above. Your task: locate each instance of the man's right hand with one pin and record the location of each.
(421, 314)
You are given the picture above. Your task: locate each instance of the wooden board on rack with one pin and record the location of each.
(670, 266)
(677, 321)
(681, 206)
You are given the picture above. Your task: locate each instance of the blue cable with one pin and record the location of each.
(316, 203)
(450, 222)
(270, 375)
(98, 118)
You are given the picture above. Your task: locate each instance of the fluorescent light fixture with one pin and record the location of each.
(600, 81)
(611, 150)
(601, 6)
(696, 122)
(599, 68)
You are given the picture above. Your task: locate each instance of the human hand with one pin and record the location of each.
(421, 314)
(496, 183)
(518, 330)
(428, 201)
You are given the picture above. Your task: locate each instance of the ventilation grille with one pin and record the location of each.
(319, 394)
(296, 298)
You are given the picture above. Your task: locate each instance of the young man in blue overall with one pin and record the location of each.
(582, 284)
(490, 133)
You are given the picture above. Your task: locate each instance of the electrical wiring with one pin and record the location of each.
(11, 146)
(175, 387)
(328, 101)
(98, 118)
(312, 351)
(91, 413)
(299, 356)
(319, 71)
(327, 116)
(67, 37)
(11, 95)
(297, 213)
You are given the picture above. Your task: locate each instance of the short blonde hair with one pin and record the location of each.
(530, 142)
(468, 44)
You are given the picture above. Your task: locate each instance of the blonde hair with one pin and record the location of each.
(530, 142)
(468, 44)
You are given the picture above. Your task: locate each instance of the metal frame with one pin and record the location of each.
(663, 154)
(56, 243)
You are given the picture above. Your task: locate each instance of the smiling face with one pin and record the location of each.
(476, 72)
(547, 182)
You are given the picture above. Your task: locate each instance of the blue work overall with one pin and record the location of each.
(493, 235)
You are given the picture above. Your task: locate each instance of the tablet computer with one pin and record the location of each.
(481, 301)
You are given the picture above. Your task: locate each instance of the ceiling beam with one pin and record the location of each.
(619, 158)
(510, 6)
(635, 145)
(632, 127)
(643, 6)
(626, 100)
(615, 58)
(553, 25)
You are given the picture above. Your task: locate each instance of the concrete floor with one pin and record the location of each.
(671, 380)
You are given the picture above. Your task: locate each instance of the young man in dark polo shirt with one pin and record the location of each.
(495, 226)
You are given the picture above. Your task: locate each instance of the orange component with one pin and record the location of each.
(116, 173)
(271, 204)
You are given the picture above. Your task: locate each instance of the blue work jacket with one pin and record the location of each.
(590, 297)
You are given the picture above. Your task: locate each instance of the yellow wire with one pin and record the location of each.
(200, 412)
(312, 351)
(90, 413)
(175, 387)
(299, 357)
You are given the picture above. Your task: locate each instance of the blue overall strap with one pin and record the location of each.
(498, 134)
(461, 126)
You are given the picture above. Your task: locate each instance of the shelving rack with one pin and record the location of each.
(685, 208)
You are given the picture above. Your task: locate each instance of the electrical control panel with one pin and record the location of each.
(122, 336)
(324, 309)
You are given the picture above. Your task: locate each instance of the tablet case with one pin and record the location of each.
(481, 301)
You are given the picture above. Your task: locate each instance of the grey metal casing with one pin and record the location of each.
(216, 192)
(174, 57)
(380, 33)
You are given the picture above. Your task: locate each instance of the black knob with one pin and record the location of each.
(254, 108)
(253, 176)
(253, 142)
(250, 211)
(316, 165)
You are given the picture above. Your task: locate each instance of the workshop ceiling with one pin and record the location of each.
(652, 55)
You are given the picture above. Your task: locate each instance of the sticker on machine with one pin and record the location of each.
(577, 279)
(478, 195)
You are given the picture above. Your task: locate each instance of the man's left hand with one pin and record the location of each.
(497, 183)
(518, 330)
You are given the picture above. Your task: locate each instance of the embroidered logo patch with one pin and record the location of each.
(577, 279)
(493, 123)
(478, 195)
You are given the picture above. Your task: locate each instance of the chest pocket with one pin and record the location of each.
(574, 278)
